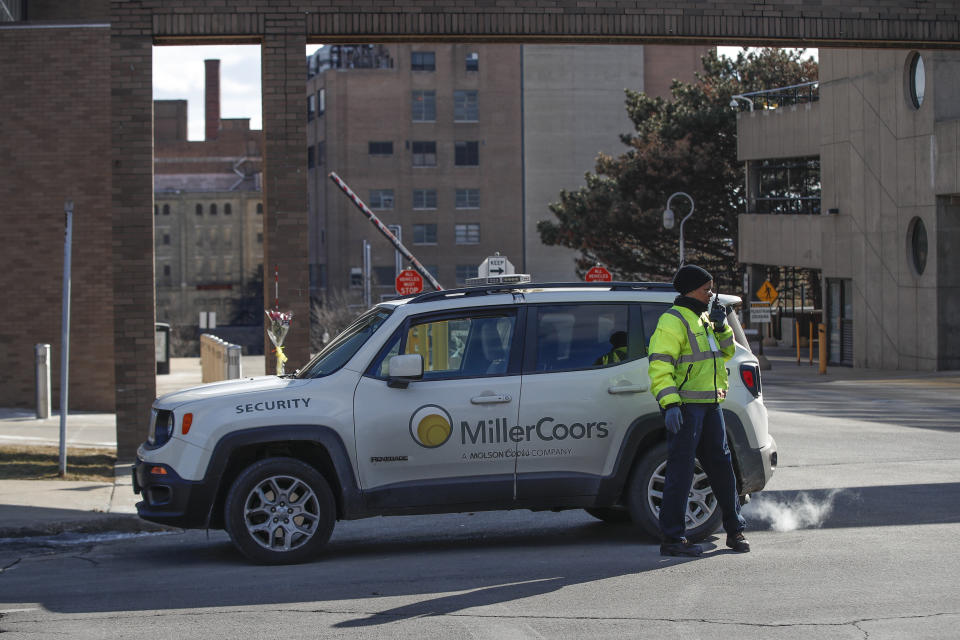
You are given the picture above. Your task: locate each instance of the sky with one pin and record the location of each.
(178, 74)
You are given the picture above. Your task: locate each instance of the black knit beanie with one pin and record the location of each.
(690, 277)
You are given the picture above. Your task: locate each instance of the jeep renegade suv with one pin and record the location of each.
(485, 398)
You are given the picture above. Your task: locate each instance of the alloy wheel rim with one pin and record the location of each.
(701, 501)
(281, 513)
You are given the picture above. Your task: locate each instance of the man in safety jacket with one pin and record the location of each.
(688, 377)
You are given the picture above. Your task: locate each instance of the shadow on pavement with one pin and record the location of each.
(879, 506)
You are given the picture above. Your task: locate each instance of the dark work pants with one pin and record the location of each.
(703, 436)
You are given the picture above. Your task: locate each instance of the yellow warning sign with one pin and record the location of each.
(766, 292)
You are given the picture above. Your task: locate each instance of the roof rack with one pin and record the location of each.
(430, 296)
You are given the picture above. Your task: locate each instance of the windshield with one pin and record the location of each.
(341, 349)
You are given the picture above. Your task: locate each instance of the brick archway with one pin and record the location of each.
(284, 30)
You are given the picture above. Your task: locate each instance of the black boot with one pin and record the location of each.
(738, 542)
(681, 547)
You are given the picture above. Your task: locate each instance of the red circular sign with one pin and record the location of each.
(409, 282)
(598, 274)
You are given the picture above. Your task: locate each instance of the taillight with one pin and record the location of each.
(750, 374)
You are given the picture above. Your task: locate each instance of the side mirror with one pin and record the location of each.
(404, 369)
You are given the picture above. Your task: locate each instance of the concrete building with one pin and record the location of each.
(574, 109)
(463, 147)
(208, 214)
(884, 142)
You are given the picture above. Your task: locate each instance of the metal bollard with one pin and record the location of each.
(42, 354)
(233, 362)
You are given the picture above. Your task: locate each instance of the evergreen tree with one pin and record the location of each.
(685, 144)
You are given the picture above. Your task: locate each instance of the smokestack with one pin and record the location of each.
(212, 98)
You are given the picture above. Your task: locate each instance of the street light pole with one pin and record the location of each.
(668, 218)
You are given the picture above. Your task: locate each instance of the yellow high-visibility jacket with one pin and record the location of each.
(687, 358)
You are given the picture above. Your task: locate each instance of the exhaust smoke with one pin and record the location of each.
(802, 512)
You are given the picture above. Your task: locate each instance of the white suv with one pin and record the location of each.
(460, 400)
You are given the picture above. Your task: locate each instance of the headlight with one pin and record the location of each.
(161, 427)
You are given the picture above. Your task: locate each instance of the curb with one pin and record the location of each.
(108, 523)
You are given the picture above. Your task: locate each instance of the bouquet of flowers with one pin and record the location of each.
(278, 323)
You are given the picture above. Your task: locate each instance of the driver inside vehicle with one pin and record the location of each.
(618, 352)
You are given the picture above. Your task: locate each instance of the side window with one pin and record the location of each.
(473, 346)
(651, 315)
(582, 336)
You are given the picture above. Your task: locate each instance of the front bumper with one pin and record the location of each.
(169, 499)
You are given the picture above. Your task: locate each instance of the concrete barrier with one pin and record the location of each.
(219, 360)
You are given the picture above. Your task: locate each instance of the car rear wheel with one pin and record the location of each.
(280, 511)
(703, 514)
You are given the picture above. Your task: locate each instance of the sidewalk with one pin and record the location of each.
(51, 507)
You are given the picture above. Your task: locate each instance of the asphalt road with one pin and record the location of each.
(855, 537)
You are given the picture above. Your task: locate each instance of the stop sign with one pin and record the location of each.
(598, 274)
(409, 282)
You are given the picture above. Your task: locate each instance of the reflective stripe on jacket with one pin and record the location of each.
(684, 366)
(617, 355)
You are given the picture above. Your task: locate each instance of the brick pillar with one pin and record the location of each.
(134, 357)
(211, 99)
(285, 185)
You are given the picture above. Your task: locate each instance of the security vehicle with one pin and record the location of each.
(492, 397)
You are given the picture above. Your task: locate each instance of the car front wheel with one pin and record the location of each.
(280, 511)
(703, 514)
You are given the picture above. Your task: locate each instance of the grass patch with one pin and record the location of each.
(43, 463)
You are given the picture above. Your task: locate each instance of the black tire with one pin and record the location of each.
(610, 515)
(265, 525)
(643, 498)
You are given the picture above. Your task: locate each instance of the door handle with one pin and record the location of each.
(492, 399)
(627, 388)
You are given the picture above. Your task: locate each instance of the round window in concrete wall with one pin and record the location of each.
(916, 79)
(917, 245)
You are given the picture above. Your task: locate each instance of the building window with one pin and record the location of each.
(466, 153)
(213, 209)
(227, 209)
(166, 238)
(473, 61)
(166, 209)
(424, 234)
(311, 158)
(321, 153)
(311, 107)
(321, 102)
(465, 271)
(918, 245)
(260, 238)
(381, 198)
(467, 234)
(156, 210)
(424, 153)
(199, 209)
(260, 208)
(788, 185)
(423, 61)
(468, 199)
(423, 105)
(916, 79)
(356, 277)
(385, 276)
(424, 198)
(166, 270)
(465, 106)
(381, 148)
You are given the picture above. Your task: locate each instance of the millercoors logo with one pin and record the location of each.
(430, 426)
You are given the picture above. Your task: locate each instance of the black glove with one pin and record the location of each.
(718, 316)
(673, 419)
